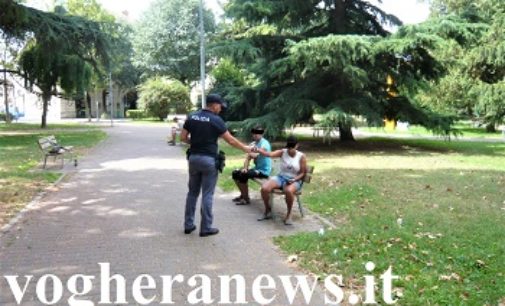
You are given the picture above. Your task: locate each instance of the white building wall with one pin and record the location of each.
(30, 104)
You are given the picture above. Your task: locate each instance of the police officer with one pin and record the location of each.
(202, 130)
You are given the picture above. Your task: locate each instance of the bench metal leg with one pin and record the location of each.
(45, 161)
(271, 203)
(300, 207)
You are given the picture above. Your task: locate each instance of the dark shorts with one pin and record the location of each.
(243, 177)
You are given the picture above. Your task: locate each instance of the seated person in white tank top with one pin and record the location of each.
(290, 178)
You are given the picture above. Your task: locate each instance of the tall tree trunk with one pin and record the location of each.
(87, 106)
(491, 127)
(45, 103)
(104, 101)
(345, 132)
(6, 100)
(339, 17)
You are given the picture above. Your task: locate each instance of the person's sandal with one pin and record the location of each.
(237, 199)
(288, 221)
(243, 202)
(266, 216)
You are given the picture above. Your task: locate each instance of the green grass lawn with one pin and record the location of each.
(462, 128)
(36, 126)
(154, 121)
(20, 155)
(433, 210)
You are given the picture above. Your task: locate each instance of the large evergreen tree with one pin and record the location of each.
(124, 74)
(474, 55)
(325, 56)
(60, 51)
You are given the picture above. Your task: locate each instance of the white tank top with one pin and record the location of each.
(290, 166)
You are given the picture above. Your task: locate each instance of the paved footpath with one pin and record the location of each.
(124, 206)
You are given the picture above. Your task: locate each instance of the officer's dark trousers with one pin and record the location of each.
(202, 176)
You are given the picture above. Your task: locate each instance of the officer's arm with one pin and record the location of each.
(235, 142)
(185, 136)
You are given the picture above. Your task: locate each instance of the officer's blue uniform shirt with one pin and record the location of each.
(205, 128)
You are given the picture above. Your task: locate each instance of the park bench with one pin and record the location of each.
(50, 147)
(326, 132)
(306, 180)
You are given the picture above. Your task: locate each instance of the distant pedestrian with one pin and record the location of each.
(174, 131)
(202, 130)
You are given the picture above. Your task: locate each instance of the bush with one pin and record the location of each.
(159, 96)
(135, 114)
(3, 117)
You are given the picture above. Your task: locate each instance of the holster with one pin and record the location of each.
(220, 161)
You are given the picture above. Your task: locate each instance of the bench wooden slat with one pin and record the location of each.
(45, 144)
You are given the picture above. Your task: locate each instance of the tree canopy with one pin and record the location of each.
(166, 40)
(310, 57)
(473, 52)
(160, 96)
(60, 48)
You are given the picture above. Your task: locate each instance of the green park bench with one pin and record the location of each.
(306, 180)
(49, 146)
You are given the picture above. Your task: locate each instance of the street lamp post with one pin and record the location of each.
(202, 54)
(111, 100)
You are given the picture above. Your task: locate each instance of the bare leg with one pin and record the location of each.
(266, 189)
(289, 191)
(174, 138)
(244, 190)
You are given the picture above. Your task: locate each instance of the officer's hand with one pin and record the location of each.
(244, 170)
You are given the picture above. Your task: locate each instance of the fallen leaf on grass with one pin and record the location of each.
(429, 235)
(398, 293)
(452, 276)
(479, 263)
